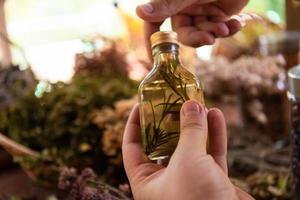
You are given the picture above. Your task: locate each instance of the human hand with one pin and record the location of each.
(197, 22)
(192, 172)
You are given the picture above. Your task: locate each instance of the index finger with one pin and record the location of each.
(150, 28)
(218, 138)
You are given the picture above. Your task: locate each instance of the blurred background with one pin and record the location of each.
(69, 73)
(49, 29)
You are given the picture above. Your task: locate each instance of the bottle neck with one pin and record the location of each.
(166, 53)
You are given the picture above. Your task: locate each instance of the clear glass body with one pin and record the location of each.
(161, 95)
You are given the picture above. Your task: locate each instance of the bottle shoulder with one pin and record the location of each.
(152, 76)
(165, 76)
(186, 74)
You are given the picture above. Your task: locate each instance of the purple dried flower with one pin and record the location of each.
(67, 176)
(88, 174)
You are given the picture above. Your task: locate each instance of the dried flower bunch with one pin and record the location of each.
(112, 58)
(253, 75)
(113, 121)
(87, 186)
(258, 83)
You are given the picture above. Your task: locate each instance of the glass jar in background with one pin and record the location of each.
(294, 97)
(275, 105)
(284, 43)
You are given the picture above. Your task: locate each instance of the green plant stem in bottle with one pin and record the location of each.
(161, 96)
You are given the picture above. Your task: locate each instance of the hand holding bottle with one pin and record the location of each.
(192, 173)
(198, 22)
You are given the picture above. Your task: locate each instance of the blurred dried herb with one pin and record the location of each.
(65, 112)
(60, 123)
(265, 186)
(254, 75)
(111, 59)
(257, 82)
(14, 83)
(113, 121)
(87, 186)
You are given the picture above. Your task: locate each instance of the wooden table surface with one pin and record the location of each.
(15, 182)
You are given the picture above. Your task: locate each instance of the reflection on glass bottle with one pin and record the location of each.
(161, 95)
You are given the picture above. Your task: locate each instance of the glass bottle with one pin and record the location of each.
(161, 95)
(294, 96)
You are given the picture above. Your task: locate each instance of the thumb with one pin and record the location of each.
(194, 131)
(159, 10)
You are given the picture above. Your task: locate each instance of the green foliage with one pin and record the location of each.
(262, 7)
(59, 124)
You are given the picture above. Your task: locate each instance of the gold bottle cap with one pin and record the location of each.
(294, 82)
(164, 37)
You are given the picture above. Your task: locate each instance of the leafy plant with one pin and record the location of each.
(59, 124)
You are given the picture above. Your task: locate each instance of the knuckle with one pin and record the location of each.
(193, 125)
(167, 5)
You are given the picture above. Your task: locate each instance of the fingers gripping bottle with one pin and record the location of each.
(161, 96)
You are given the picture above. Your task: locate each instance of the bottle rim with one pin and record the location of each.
(162, 37)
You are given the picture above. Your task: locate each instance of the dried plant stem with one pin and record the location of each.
(16, 149)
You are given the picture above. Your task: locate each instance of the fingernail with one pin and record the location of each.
(239, 19)
(147, 8)
(191, 107)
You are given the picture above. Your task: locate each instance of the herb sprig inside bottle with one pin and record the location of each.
(162, 94)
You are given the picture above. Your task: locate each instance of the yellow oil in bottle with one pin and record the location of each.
(161, 96)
